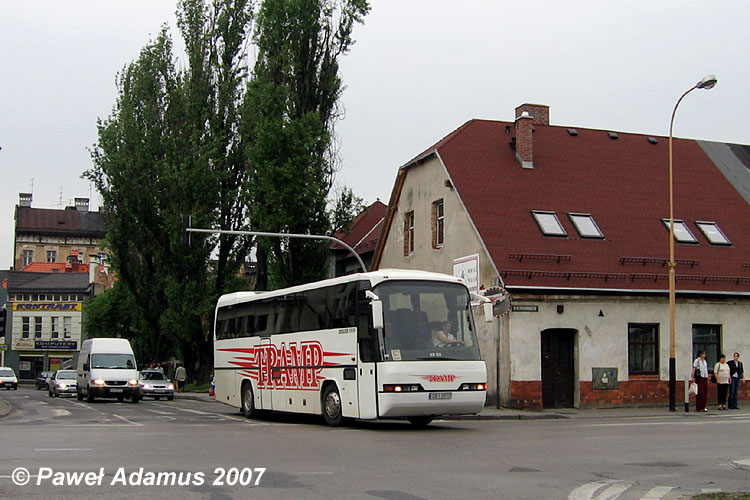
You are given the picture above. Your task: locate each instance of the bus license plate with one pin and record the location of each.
(441, 395)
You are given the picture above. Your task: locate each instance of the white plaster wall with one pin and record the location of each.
(603, 341)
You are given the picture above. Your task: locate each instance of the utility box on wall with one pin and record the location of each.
(604, 378)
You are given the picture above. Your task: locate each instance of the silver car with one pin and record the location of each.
(155, 384)
(62, 382)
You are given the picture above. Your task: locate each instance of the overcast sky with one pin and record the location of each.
(419, 69)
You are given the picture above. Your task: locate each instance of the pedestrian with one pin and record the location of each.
(723, 380)
(180, 375)
(736, 373)
(700, 376)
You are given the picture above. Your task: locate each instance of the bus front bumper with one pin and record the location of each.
(410, 404)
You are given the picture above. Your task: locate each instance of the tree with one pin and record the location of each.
(289, 115)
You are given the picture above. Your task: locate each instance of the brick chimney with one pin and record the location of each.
(539, 113)
(82, 205)
(24, 199)
(525, 140)
(527, 116)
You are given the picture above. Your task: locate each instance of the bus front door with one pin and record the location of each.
(265, 382)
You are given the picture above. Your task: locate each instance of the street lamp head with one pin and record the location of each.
(708, 82)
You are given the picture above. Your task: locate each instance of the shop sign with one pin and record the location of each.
(467, 268)
(48, 306)
(23, 344)
(65, 345)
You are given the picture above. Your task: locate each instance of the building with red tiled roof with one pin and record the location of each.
(362, 236)
(574, 224)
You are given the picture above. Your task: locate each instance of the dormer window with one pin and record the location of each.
(549, 224)
(586, 226)
(713, 233)
(682, 233)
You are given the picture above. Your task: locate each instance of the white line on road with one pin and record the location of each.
(127, 421)
(657, 492)
(60, 412)
(587, 491)
(700, 422)
(160, 412)
(63, 449)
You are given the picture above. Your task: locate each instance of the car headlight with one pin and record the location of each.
(170, 387)
(147, 386)
(63, 386)
(99, 381)
(133, 381)
(15, 380)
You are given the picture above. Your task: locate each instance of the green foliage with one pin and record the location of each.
(232, 149)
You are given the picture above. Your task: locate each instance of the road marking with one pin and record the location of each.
(63, 449)
(195, 411)
(587, 491)
(128, 421)
(657, 492)
(736, 420)
(160, 412)
(60, 412)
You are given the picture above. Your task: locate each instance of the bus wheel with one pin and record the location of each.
(421, 421)
(248, 401)
(332, 406)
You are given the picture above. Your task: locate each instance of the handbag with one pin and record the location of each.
(713, 379)
(693, 388)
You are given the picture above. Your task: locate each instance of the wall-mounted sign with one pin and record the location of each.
(48, 306)
(65, 345)
(19, 344)
(467, 268)
(523, 308)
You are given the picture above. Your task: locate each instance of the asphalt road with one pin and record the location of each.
(123, 447)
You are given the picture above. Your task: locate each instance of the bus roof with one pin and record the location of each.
(373, 277)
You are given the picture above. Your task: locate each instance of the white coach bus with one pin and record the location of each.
(367, 346)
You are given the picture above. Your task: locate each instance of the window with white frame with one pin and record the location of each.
(713, 233)
(54, 327)
(67, 326)
(409, 233)
(28, 256)
(438, 223)
(37, 327)
(25, 327)
(586, 226)
(51, 255)
(682, 233)
(548, 223)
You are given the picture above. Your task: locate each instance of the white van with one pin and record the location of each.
(107, 369)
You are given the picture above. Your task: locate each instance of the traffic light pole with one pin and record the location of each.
(280, 235)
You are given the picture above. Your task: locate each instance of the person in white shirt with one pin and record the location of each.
(700, 376)
(722, 374)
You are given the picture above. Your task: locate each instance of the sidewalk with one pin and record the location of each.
(491, 413)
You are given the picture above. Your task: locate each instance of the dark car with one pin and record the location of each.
(42, 380)
(155, 384)
(62, 382)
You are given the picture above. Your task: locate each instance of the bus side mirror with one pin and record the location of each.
(376, 308)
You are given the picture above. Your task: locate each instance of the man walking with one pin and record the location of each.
(180, 375)
(736, 374)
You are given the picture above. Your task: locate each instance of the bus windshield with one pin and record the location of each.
(427, 320)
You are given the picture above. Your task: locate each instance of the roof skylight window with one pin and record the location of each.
(586, 226)
(713, 233)
(549, 223)
(682, 233)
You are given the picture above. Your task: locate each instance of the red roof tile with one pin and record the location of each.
(365, 229)
(622, 183)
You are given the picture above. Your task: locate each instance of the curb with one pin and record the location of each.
(514, 416)
(5, 407)
(742, 464)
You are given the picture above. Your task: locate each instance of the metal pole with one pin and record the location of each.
(687, 394)
(281, 235)
(672, 363)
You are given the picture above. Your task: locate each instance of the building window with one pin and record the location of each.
(643, 348)
(25, 327)
(55, 327)
(713, 233)
(51, 255)
(438, 223)
(682, 233)
(707, 338)
(586, 226)
(409, 233)
(37, 327)
(28, 256)
(549, 223)
(103, 260)
(67, 324)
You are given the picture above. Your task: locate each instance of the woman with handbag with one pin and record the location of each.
(700, 376)
(721, 372)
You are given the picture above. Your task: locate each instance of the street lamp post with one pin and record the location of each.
(708, 82)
